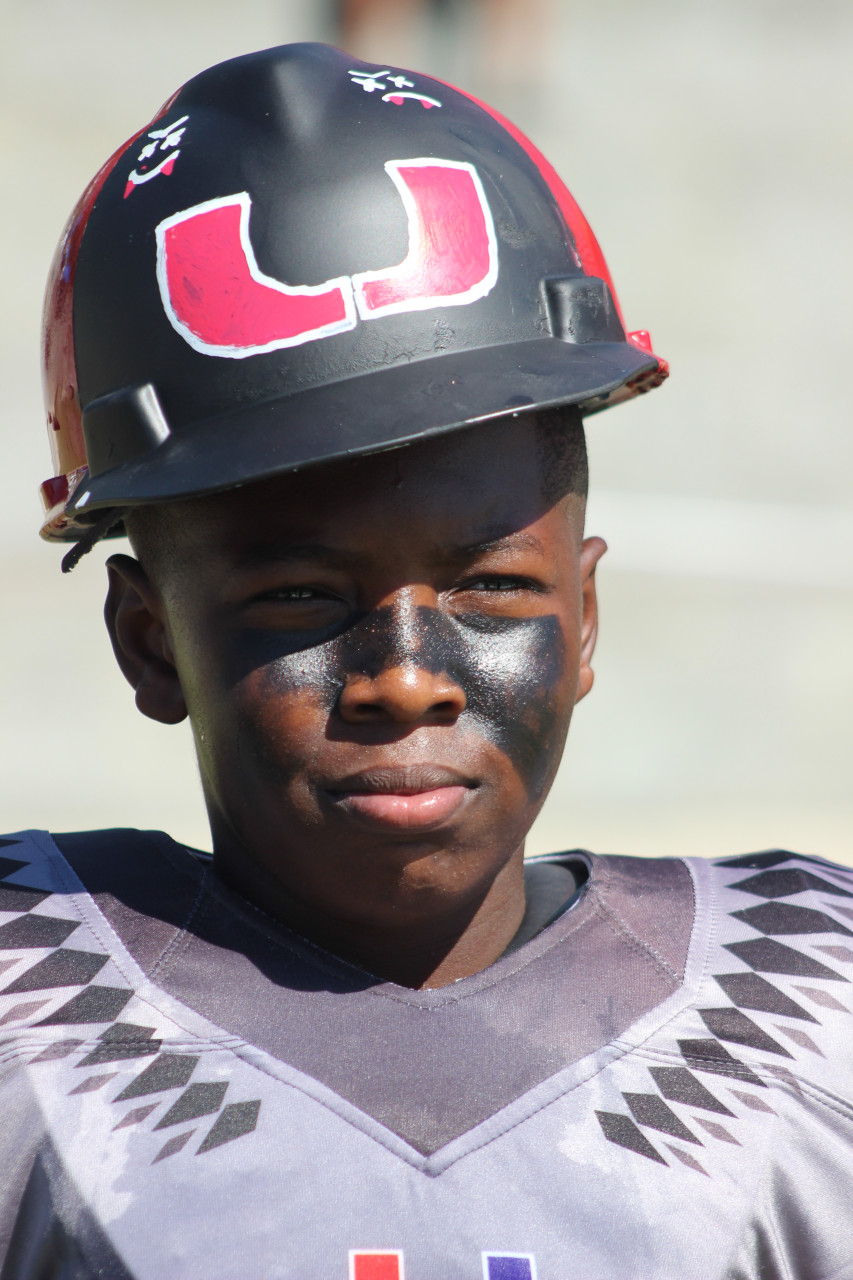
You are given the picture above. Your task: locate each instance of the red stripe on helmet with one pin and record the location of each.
(59, 366)
(587, 247)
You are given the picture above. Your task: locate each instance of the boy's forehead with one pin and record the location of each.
(471, 487)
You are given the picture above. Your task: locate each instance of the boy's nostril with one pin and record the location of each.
(403, 693)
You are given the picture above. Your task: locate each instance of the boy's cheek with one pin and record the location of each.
(521, 689)
(267, 723)
(519, 677)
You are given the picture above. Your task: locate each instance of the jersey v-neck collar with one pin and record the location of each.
(491, 1039)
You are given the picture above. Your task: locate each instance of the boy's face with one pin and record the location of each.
(379, 659)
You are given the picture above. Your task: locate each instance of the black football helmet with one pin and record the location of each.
(305, 257)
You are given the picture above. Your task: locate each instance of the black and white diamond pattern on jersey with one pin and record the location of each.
(97, 1003)
(766, 955)
(735, 1027)
(651, 1110)
(621, 1130)
(64, 967)
(91, 1005)
(121, 1041)
(677, 1084)
(769, 858)
(168, 1071)
(713, 1057)
(680, 1086)
(235, 1121)
(17, 897)
(785, 918)
(749, 991)
(824, 998)
(20, 897)
(198, 1099)
(34, 932)
(784, 883)
(746, 990)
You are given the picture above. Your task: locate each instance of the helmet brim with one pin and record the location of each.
(380, 410)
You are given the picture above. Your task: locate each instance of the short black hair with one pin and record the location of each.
(562, 452)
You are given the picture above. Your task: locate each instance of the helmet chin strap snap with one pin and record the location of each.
(100, 529)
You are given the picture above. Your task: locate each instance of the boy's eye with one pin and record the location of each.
(303, 606)
(500, 582)
(293, 593)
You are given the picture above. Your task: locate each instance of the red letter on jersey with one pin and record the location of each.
(382, 1264)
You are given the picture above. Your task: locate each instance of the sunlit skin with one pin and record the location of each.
(379, 659)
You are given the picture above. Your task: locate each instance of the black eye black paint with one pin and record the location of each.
(508, 668)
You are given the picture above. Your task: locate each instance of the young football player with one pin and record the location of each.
(320, 339)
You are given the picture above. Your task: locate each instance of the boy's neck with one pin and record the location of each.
(431, 948)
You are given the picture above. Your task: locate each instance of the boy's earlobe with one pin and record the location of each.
(134, 616)
(592, 550)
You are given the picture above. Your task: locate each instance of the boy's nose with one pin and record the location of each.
(404, 694)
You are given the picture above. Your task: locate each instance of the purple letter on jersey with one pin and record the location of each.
(509, 1266)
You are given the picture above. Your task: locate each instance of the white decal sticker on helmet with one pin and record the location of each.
(158, 155)
(378, 82)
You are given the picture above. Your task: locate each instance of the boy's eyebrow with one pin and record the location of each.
(521, 540)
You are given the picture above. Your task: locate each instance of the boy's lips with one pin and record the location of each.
(417, 798)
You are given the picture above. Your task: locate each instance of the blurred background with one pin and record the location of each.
(710, 147)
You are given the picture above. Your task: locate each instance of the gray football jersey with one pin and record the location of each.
(656, 1086)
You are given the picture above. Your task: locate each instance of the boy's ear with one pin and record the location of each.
(592, 549)
(135, 619)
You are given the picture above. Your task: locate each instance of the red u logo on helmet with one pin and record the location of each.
(222, 304)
